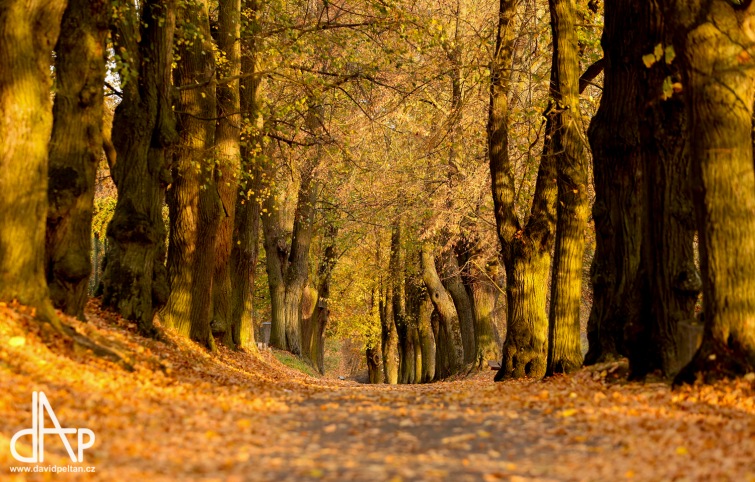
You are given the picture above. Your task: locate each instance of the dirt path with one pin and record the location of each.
(184, 415)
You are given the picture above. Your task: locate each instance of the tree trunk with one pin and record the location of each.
(246, 223)
(449, 335)
(28, 33)
(288, 270)
(672, 282)
(227, 142)
(525, 249)
(463, 304)
(426, 339)
(315, 309)
(715, 39)
(484, 293)
(374, 371)
(564, 346)
(75, 149)
(389, 338)
(193, 202)
(135, 279)
(617, 174)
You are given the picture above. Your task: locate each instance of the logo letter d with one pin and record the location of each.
(27, 431)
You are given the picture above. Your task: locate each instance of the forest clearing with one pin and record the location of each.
(184, 415)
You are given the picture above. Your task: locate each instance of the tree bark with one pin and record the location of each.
(288, 270)
(525, 249)
(389, 337)
(462, 302)
(426, 338)
(75, 150)
(374, 372)
(245, 249)
(715, 40)
(448, 341)
(618, 178)
(671, 279)
(564, 345)
(28, 33)
(228, 148)
(192, 198)
(135, 279)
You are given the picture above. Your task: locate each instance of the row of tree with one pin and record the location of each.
(350, 138)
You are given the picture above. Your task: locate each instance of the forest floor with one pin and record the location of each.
(182, 414)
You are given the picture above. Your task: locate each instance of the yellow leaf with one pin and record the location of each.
(17, 341)
(569, 412)
(681, 450)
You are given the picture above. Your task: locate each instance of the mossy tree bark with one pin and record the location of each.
(564, 344)
(525, 249)
(245, 250)
(479, 280)
(28, 33)
(75, 150)
(135, 279)
(374, 370)
(715, 40)
(228, 147)
(192, 199)
(618, 178)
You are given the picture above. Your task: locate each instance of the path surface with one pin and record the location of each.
(184, 415)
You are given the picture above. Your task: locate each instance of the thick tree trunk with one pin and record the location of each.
(315, 309)
(452, 281)
(288, 270)
(228, 148)
(75, 150)
(525, 249)
(565, 347)
(28, 33)
(672, 282)
(484, 293)
(448, 341)
(193, 202)
(618, 178)
(135, 279)
(426, 339)
(389, 338)
(374, 371)
(715, 40)
(245, 249)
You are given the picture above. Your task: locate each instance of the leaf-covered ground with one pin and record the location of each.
(182, 414)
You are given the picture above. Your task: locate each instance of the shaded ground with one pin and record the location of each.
(184, 415)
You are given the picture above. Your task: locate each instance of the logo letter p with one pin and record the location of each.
(89, 442)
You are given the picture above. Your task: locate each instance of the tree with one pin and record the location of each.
(564, 346)
(714, 40)
(192, 198)
(74, 152)
(617, 171)
(525, 249)
(135, 279)
(246, 227)
(28, 33)
(228, 148)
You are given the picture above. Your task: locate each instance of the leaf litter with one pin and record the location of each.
(185, 414)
